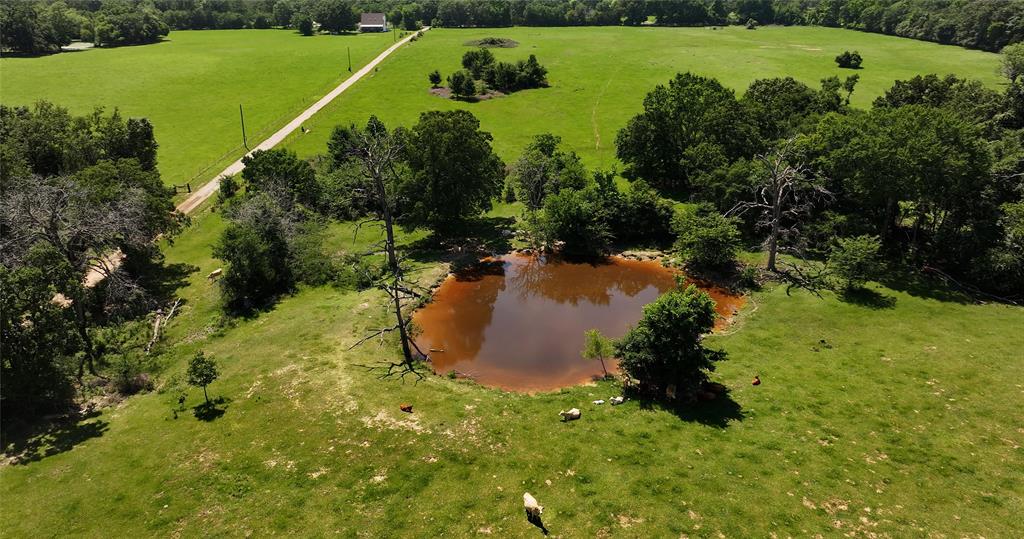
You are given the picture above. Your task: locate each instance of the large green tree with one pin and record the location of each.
(256, 249)
(690, 125)
(921, 170)
(544, 169)
(665, 349)
(335, 16)
(455, 173)
(84, 190)
(969, 98)
(282, 171)
(1012, 57)
(37, 344)
(779, 106)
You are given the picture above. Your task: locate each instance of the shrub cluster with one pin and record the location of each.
(849, 60)
(481, 71)
(706, 238)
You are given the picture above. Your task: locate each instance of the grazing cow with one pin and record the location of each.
(533, 508)
(407, 408)
(215, 273)
(533, 512)
(756, 382)
(572, 414)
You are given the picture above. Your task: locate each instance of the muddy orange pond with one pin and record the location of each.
(517, 322)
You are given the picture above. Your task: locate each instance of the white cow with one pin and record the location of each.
(572, 414)
(533, 509)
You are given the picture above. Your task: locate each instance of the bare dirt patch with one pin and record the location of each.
(493, 42)
(385, 421)
(446, 93)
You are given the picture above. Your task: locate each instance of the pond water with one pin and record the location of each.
(517, 322)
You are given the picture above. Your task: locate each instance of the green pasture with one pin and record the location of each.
(896, 414)
(190, 86)
(600, 75)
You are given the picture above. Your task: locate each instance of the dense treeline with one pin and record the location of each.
(45, 25)
(934, 170)
(988, 25)
(78, 193)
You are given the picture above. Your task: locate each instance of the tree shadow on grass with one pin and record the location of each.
(46, 440)
(477, 238)
(866, 297)
(164, 280)
(919, 284)
(210, 411)
(718, 412)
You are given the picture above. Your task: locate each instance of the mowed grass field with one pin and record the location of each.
(191, 84)
(600, 75)
(907, 424)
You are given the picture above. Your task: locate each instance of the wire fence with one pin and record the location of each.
(268, 128)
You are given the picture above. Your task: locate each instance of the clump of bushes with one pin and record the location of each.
(480, 65)
(849, 60)
(228, 187)
(577, 219)
(707, 238)
(522, 75)
(580, 213)
(641, 215)
(855, 261)
(274, 236)
(461, 84)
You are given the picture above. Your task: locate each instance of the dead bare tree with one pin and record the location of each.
(377, 151)
(63, 215)
(785, 193)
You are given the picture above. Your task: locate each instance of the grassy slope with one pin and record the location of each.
(912, 413)
(904, 427)
(600, 75)
(190, 87)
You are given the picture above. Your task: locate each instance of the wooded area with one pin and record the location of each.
(46, 25)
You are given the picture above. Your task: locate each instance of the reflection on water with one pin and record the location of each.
(517, 322)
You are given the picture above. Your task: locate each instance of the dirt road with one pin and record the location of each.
(206, 191)
(200, 195)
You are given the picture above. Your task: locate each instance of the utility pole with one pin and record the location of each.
(242, 116)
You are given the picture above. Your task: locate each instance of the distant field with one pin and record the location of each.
(190, 86)
(599, 76)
